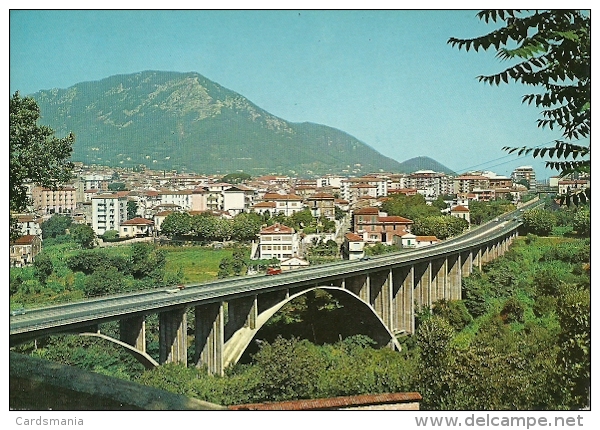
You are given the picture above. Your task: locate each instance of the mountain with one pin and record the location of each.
(184, 121)
(424, 163)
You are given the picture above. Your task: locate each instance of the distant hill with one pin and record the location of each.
(424, 163)
(184, 121)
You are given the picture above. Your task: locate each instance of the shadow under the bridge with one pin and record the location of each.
(320, 318)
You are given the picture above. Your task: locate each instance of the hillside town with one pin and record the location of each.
(133, 203)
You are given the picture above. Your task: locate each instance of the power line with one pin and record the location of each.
(509, 155)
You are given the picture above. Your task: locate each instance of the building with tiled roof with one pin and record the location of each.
(461, 212)
(287, 204)
(353, 247)
(136, 227)
(375, 226)
(277, 241)
(24, 250)
(322, 204)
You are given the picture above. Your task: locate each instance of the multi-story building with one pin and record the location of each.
(527, 173)
(234, 200)
(96, 182)
(466, 183)
(353, 247)
(570, 186)
(375, 226)
(108, 212)
(353, 189)
(24, 250)
(278, 241)
(322, 204)
(461, 212)
(29, 224)
(181, 198)
(59, 201)
(287, 204)
(136, 227)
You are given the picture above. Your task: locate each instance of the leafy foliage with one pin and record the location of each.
(56, 225)
(481, 212)
(35, 154)
(411, 207)
(539, 222)
(442, 227)
(43, 266)
(83, 234)
(553, 52)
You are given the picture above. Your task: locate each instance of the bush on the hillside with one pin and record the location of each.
(454, 311)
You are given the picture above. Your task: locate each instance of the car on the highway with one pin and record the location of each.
(177, 289)
(17, 311)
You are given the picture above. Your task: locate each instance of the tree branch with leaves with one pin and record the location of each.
(551, 50)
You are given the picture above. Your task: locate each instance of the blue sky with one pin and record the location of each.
(387, 77)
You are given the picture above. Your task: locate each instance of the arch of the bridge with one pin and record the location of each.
(237, 344)
(146, 360)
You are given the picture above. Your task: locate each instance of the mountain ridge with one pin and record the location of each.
(184, 121)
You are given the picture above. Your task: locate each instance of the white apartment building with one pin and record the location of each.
(181, 198)
(527, 173)
(108, 212)
(278, 241)
(287, 204)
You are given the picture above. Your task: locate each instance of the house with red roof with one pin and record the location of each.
(353, 247)
(277, 241)
(136, 227)
(287, 204)
(24, 250)
(375, 226)
(461, 212)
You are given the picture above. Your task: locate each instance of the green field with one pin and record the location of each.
(198, 264)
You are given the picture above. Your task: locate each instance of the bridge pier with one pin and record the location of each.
(173, 336)
(403, 298)
(267, 300)
(422, 283)
(241, 312)
(380, 285)
(133, 332)
(454, 270)
(359, 285)
(439, 279)
(209, 339)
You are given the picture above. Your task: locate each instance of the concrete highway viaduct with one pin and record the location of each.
(228, 313)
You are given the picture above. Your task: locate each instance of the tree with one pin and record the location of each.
(117, 186)
(204, 226)
(147, 261)
(433, 338)
(539, 221)
(553, 53)
(57, 225)
(176, 224)
(411, 207)
(35, 155)
(574, 360)
(43, 267)
(246, 226)
(289, 369)
(582, 222)
(442, 227)
(235, 178)
(104, 281)
(132, 208)
(83, 234)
